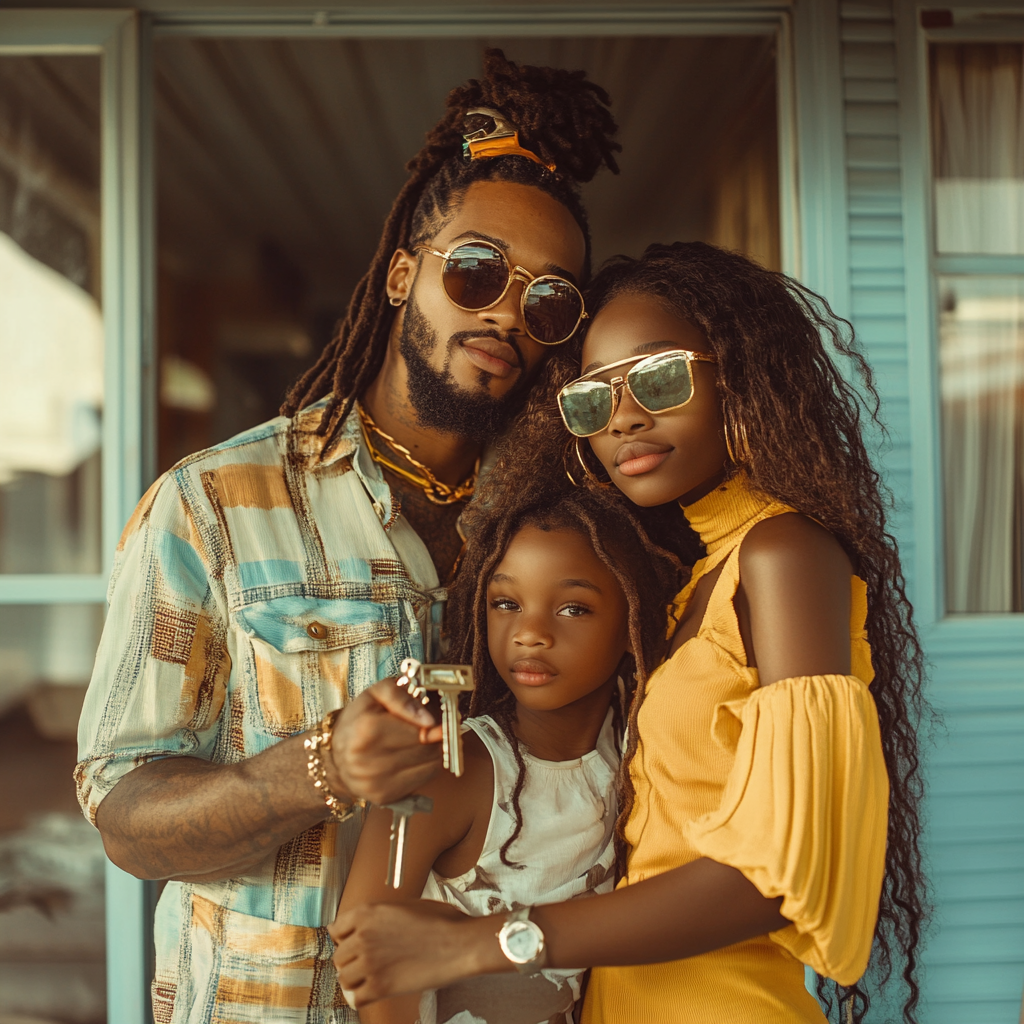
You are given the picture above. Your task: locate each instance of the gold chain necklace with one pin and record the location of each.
(435, 491)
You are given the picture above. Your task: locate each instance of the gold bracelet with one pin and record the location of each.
(321, 740)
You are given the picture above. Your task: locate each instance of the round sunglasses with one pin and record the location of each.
(657, 383)
(476, 275)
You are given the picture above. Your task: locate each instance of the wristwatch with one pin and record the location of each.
(522, 941)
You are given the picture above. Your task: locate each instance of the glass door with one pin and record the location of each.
(69, 344)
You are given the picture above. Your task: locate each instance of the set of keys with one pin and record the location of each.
(422, 682)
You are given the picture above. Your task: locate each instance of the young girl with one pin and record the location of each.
(773, 803)
(559, 606)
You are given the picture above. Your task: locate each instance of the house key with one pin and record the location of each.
(401, 812)
(448, 682)
(421, 681)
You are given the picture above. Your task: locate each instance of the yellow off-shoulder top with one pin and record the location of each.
(787, 783)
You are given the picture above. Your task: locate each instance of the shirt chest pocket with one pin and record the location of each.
(311, 655)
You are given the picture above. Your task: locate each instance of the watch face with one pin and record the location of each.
(522, 940)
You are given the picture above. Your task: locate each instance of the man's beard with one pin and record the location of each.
(437, 400)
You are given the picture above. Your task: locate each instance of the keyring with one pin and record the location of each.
(408, 668)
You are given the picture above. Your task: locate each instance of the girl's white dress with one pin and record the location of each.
(564, 851)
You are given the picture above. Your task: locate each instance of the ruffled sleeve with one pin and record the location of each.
(804, 814)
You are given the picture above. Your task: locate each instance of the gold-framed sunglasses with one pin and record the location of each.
(658, 383)
(477, 275)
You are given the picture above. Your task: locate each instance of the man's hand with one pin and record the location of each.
(384, 745)
(189, 819)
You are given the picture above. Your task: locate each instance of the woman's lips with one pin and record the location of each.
(639, 457)
(498, 358)
(530, 672)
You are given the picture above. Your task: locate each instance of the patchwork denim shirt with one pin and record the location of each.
(259, 585)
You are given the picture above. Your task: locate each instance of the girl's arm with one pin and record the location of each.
(794, 609)
(450, 833)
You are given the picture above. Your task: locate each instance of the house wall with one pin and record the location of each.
(975, 763)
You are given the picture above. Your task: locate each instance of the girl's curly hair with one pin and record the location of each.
(561, 117)
(521, 493)
(802, 421)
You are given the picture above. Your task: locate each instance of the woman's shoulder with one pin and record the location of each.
(794, 599)
(792, 546)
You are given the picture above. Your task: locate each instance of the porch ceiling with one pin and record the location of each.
(304, 141)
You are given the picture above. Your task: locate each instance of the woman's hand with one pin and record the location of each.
(387, 949)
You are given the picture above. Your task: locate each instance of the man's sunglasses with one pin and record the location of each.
(657, 383)
(476, 275)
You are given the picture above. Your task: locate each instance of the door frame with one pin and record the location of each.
(813, 220)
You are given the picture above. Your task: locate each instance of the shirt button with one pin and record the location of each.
(317, 630)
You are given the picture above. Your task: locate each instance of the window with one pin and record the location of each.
(977, 128)
(51, 402)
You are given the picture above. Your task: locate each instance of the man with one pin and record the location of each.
(264, 584)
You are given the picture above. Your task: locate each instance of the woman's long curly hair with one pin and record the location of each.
(522, 493)
(802, 421)
(561, 117)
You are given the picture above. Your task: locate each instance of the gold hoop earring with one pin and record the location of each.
(737, 443)
(588, 473)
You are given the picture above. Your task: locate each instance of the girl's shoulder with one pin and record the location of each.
(486, 733)
(461, 799)
(464, 805)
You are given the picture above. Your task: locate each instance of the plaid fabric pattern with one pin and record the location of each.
(227, 560)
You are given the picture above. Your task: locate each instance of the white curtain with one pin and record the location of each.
(982, 373)
(978, 137)
(977, 113)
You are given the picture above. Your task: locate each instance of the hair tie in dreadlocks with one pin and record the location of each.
(488, 134)
(561, 120)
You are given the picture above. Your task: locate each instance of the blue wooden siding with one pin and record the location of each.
(975, 842)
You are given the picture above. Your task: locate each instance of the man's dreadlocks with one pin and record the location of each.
(561, 117)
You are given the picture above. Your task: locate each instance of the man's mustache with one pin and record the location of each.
(508, 339)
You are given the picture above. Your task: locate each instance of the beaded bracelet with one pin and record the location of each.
(321, 740)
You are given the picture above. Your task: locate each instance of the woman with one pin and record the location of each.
(771, 800)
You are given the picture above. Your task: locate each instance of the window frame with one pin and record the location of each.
(126, 221)
(813, 222)
(964, 634)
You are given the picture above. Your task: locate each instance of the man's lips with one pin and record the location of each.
(531, 672)
(638, 457)
(498, 358)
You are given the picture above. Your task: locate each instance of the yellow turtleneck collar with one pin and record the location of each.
(723, 516)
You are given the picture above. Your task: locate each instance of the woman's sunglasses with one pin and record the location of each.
(476, 275)
(657, 383)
